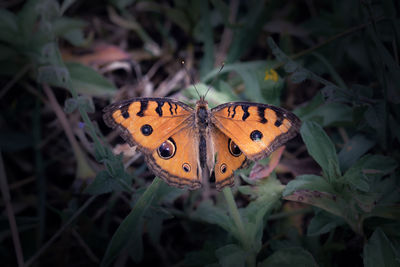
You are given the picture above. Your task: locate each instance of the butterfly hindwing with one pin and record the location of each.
(180, 167)
(258, 129)
(228, 158)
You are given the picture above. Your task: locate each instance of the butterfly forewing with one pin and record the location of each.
(148, 122)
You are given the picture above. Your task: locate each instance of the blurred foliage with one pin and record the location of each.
(333, 199)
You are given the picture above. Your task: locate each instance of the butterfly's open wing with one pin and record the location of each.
(149, 123)
(258, 129)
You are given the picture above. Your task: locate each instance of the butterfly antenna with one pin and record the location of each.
(190, 77)
(213, 80)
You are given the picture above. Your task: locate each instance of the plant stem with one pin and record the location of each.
(234, 212)
(10, 213)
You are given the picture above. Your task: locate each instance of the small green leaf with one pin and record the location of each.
(231, 256)
(308, 182)
(70, 105)
(103, 183)
(321, 148)
(299, 76)
(87, 81)
(207, 212)
(53, 75)
(379, 251)
(290, 257)
(323, 222)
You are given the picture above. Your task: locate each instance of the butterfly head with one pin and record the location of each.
(202, 103)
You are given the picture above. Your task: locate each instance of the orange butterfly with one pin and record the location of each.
(183, 145)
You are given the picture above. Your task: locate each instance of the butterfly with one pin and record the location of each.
(184, 145)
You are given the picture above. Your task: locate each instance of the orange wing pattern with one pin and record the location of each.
(228, 159)
(258, 129)
(160, 128)
(148, 122)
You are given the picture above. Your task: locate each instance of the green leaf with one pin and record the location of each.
(327, 201)
(103, 183)
(321, 148)
(299, 76)
(334, 114)
(357, 146)
(209, 213)
(154, 221)
(87, 81)
(267, 194)
(133, 221)
(290, 257)
(323, 222)
(53, 75)
(70, 29)
(248, 73)
(203, 257)
(379, 251)
(231, 255)
(359, 175)
(308, 182)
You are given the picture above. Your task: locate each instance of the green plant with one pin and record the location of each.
(344, 88)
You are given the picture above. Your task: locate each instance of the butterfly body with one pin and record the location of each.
(184, 145)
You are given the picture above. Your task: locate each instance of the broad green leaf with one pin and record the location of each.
(290, 257)
(70, 29)
(135, 245)
(87, 81)
(335, 114)
(360, 174)
(308, 182)
(357, 146)
(327, 201)
(248, 73)
(323, 222)
(321, 148)
(124, 232)
(379, 251)
(231, 256)
(307, 111)
(155, 217)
